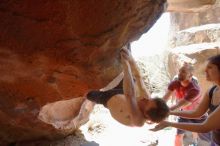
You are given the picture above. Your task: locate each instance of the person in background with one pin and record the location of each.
(210, 102)
(187, 95)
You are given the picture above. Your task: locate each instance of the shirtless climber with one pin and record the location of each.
(129, 102)
(132, 105)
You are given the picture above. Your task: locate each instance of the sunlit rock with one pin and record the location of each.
(189, 5)
(194, 38)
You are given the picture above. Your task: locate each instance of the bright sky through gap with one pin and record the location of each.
(154, 41)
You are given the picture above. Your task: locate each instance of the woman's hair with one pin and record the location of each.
(215, 60)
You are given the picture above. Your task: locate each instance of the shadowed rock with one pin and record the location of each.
(57, 50)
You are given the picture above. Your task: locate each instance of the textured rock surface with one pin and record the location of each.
(195, 37)
(208, 33)
(54, 50)
(57, 50)
(181, 21)
(195, 54)
(189, 5)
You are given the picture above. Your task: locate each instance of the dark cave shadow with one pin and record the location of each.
(75, 139)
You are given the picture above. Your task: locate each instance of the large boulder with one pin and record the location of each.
(189, 5)
(194, 37)
(57, 50)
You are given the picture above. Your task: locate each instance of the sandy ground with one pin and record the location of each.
(103, 130)
(107, 132)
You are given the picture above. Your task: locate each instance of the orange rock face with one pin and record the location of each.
(54, 50)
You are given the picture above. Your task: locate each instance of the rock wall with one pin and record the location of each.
(189, 5)
(58, 50)
(195, 37)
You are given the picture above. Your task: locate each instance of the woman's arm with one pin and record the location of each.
(194, 127)
(200, 110)
(211, 123)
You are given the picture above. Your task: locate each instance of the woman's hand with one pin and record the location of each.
(160, 126)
